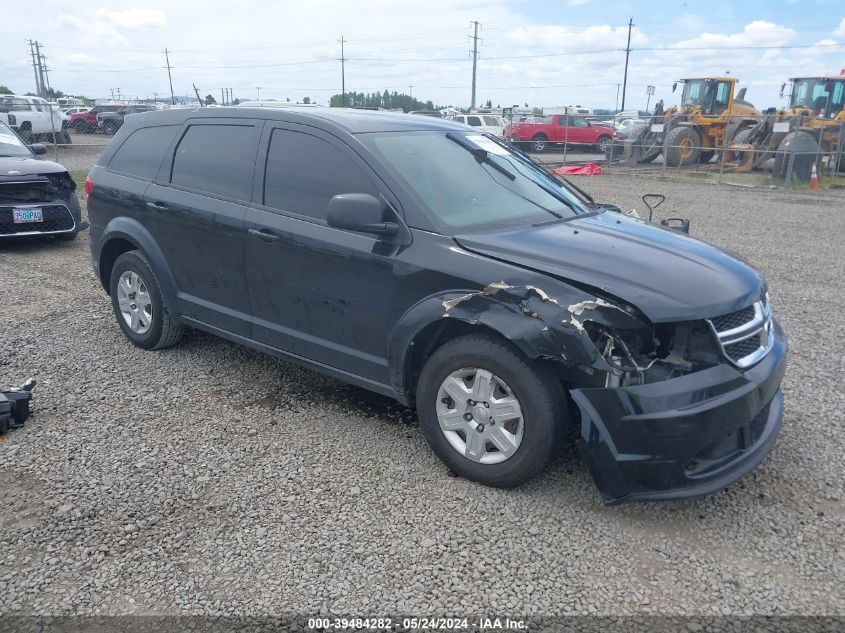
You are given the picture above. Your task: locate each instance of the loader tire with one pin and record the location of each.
(683, 147)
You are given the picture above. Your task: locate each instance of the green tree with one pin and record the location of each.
(209, 99)
(236, 101)
(384, 99)
(5, 91)
(306, 100)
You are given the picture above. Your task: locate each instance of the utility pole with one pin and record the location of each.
(222, 97)
(617, 96)
(46, 76)
(342, 72)
(258, 93)
(169, 77)
(627, 54)
(35, 68)
(196, 90)
(43, 92)
(474, 60)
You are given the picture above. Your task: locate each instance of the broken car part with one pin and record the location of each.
(14, 406)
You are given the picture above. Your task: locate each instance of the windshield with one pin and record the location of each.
(468, 181)
(11, 145)
(818, 94)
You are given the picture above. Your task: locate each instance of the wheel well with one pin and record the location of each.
(434, 336)
(539, 136)
(112, 249)
(26, 125)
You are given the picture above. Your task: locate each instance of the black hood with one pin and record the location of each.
(13, 167)
(668, 275)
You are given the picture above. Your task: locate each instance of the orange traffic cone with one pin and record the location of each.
(814, 178)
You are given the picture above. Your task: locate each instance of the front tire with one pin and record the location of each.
(490, 414)
(138, 304)
(603, 145)
(683, 146)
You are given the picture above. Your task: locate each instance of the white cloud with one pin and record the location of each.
(523, 58)
(839, 31)
(577, 3)
(134, 18)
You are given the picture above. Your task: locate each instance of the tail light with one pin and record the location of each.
(89, 186)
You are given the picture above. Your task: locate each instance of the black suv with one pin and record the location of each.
(422, 260)
(37, 197)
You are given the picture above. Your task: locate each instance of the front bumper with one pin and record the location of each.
(684, 437)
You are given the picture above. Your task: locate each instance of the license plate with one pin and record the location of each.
(24, 216)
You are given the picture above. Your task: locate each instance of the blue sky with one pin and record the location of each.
(540, 52)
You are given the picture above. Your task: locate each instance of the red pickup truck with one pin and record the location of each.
(560, 129)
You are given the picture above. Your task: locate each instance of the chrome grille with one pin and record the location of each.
(734, 319)
(745, 336)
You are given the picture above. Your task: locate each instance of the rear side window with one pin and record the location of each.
(217, 159)
(491, 121)
(474, 121)
(142, 151)
(304, 172)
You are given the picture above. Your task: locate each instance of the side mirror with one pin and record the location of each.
(359, 212)
(38, 149)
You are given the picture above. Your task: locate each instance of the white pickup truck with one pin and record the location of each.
(34, 119)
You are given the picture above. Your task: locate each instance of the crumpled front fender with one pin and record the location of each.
(682, 437)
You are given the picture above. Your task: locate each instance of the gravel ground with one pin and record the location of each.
(211, 479)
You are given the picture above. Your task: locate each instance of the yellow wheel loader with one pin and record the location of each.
(705, 122)
(812, 126)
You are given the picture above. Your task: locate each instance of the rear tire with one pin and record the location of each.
(157, 329)
(26, 134)
(603, 145)
(683, 146)
(539, 143)
(538, 394)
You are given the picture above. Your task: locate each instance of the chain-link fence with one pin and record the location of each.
(775, 149)
(769, 150)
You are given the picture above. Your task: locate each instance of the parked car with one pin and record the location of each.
(86, 122)
(488, 123)
(37, 197)
(560, 129)
(34, 119)
(110, 122)
(427, 262)
(75, 110)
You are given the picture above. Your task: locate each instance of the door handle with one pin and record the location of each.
(264, 235)
(157, 206)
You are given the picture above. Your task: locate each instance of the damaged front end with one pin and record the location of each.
(666, 410)
(678, 415)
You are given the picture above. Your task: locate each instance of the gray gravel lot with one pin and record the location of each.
(211, 479)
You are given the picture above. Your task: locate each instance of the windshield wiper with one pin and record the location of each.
(480, 155)
(551, 174)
